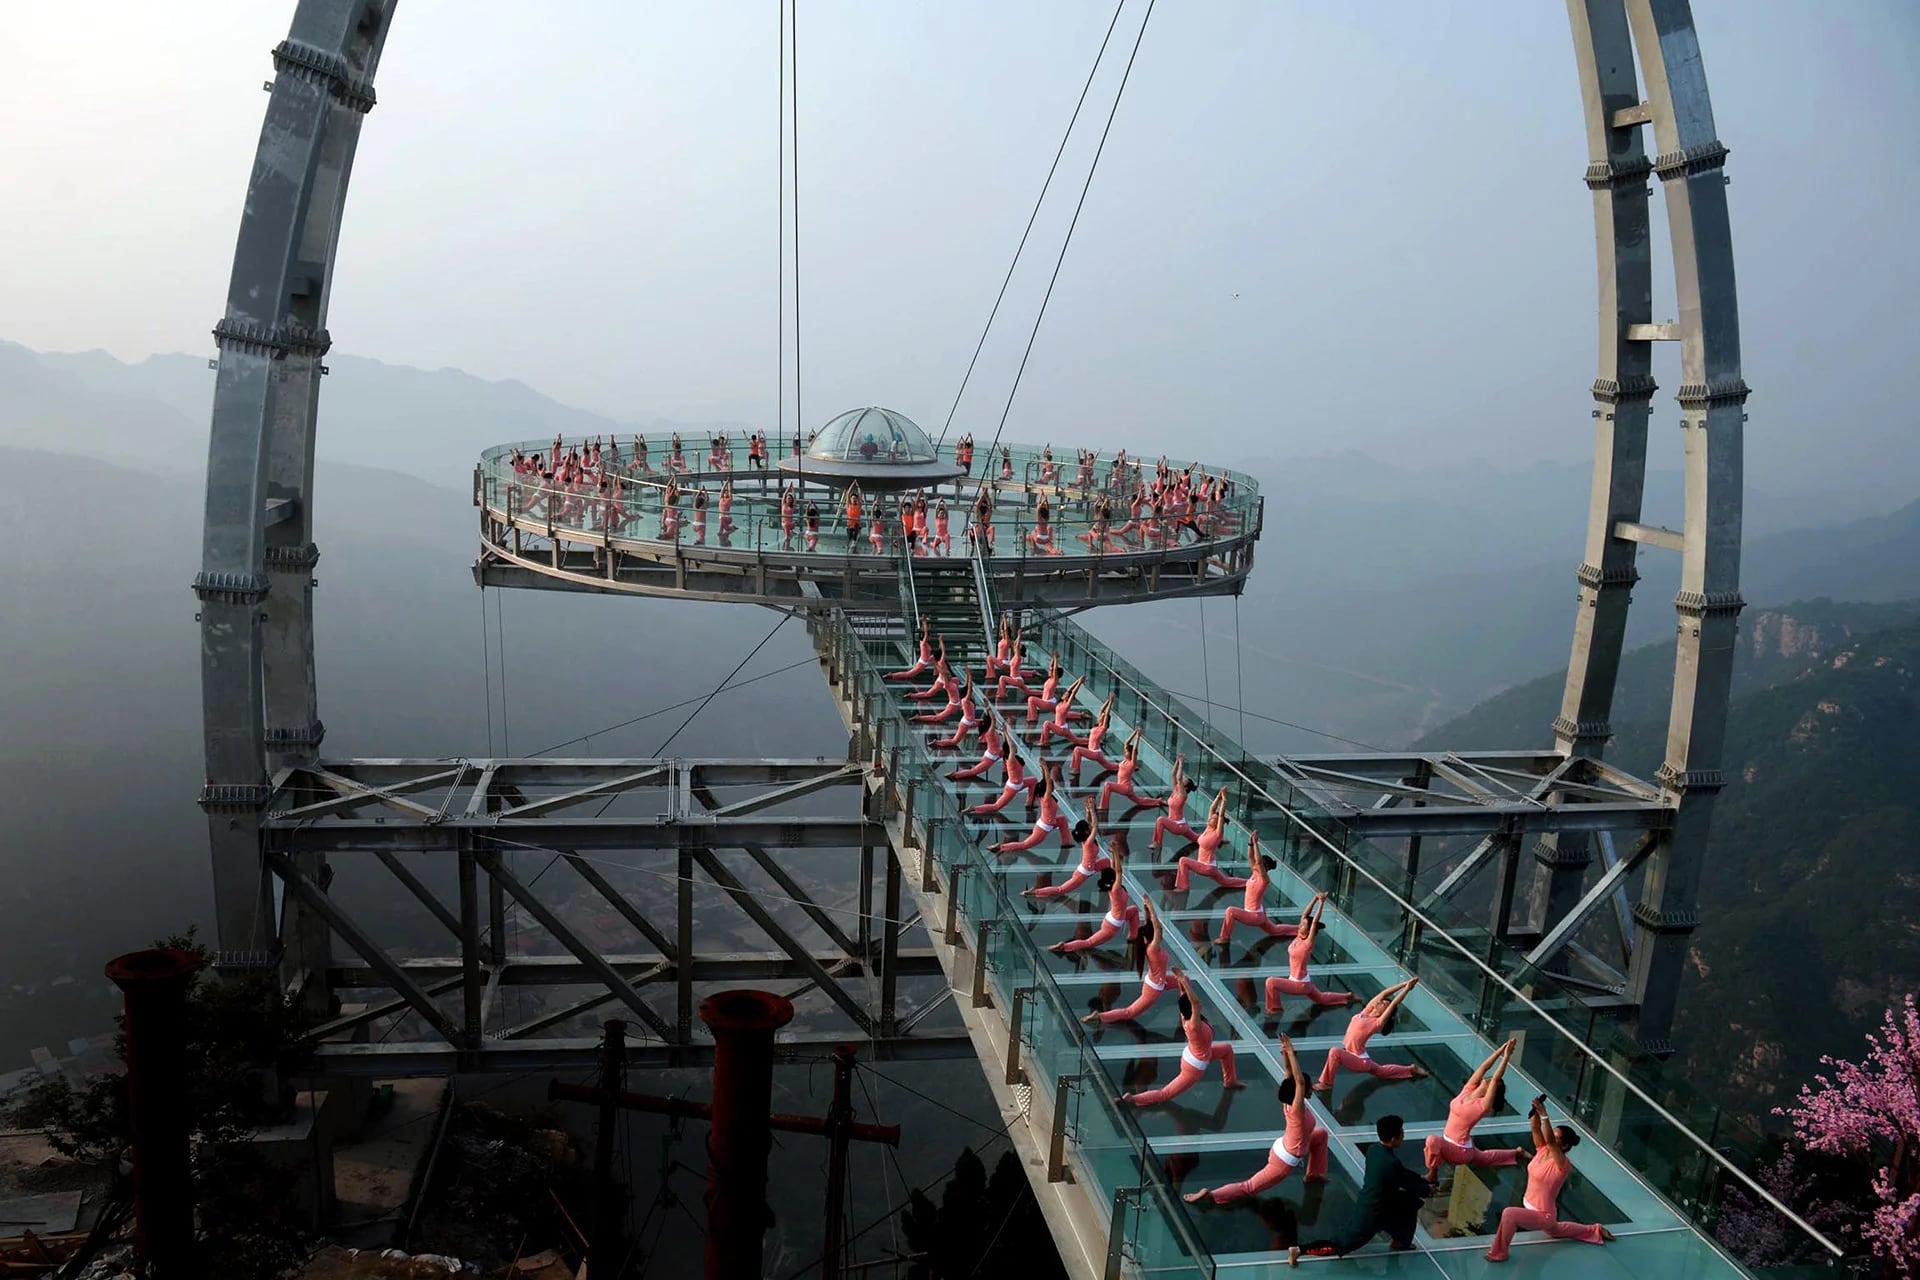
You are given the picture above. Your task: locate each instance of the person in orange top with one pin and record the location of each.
(1546, 1174)
(1253, 909)
(1485, 1091)
(1303, 1142)
(853, 513)
(1374, 1017)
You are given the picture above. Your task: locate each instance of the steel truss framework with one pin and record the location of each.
(458, 823)
(261, 714)
(1501, 800)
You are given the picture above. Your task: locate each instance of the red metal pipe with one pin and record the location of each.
(743, 1023)
(155, 984)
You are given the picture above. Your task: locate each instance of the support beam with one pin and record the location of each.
(391, 974)
(743, 898)
(582, 951)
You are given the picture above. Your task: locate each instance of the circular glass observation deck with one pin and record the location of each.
(879, 448)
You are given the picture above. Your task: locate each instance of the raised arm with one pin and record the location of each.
(1505, 1056)
(1302, 1088)
(1493, 1059)
(1543, 1135)
(1400, 993)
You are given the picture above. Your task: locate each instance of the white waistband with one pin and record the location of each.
(1283, 1155)
(1157, 986)
(1198, 1064)
(1115, 921)
(1531, 1205)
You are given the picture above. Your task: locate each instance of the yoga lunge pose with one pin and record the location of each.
(1010, 674)
(1253, 909)
(1209, 841)
(1298, 982)
(1198, 1053)
(1374, 1017)
(1018, 779)
(1175, 818)
(1304, 1141)
(1050, 818)
(1121, 913)
(925, 660)
(1151, 962)
(1121, 784)
(1485, 1091)
(942, 678)
(1088, 748)
(1003, 647)
(959, 699)
(969, 721)
(1094, 861)
(1547, 1172)
(1063, 710)
(1048, 697)
(993, 749)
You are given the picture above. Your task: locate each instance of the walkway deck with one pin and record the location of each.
(1633, 1170)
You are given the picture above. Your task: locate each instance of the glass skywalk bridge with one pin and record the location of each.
(1657, 1164)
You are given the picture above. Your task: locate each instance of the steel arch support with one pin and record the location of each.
(256, 656)
(1712, 397)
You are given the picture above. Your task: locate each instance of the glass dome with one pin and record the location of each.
(872, 435)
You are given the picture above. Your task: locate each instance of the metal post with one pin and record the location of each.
(953, 903)
(1123, 1198)
(1063, 1087)
(609, 1211)
(470, 985)
(155, 984)
(981, 999)
(683, 950)
(839, 1124)
(1014, 1018)
(890, 944)
(742, 1023)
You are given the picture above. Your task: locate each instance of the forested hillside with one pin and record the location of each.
(1810, 903)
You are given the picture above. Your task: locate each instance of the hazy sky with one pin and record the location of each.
(582, 196)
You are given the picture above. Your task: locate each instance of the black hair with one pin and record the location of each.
(1566, 1137)
(1186, 1006)
(1391, 1128)
(1082, 829)
(1268, 862)
(1141, 941)
(1386, 1023)
(1500, 1094)
(1106, 879)
(1285, 1092)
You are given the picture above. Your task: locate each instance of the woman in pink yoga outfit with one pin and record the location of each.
(1151, 962)
(1299, 952)
(1175, 818)
(1303, 1142)
(1050, 818)
(1485, 1091)
(1199, 1052)
(1094, 861)
(1088, 749)
(1206, 863)
(1121, 913)
(1375, 1016)
(1121, 784)
(1546, 1174)
(1253, 909)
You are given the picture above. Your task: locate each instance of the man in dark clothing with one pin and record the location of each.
(1390, 1196)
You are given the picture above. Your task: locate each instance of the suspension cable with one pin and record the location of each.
(723, 684)
(793, 91)
(780, 241)
(1206, 665)
(1019, 249)
(1068, 240)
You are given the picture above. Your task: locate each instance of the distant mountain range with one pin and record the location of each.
(1388, 601)
(1812, 884)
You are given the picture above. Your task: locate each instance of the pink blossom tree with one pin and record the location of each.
(1871, 1109)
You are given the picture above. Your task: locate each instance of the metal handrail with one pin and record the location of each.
(1436, 929)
